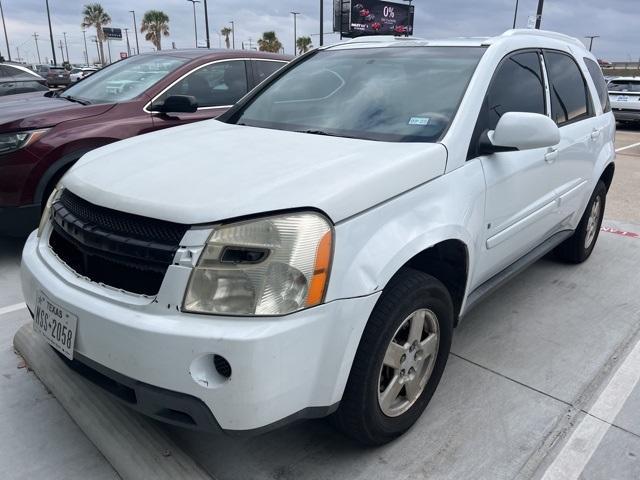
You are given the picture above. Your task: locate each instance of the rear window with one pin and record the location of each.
(601, 84)
(624, 86)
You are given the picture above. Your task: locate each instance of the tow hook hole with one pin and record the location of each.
(222, 366)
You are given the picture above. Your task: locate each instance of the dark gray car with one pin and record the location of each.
(18, 79)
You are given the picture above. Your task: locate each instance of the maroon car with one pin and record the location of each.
(42, 136)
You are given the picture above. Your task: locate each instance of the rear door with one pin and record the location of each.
(216, 86)
(521, 186)
(581, 135)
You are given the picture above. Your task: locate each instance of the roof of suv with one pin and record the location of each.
(393, 41)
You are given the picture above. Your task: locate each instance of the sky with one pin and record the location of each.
(616, 21)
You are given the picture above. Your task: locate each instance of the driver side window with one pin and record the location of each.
(216, 85)
(517, 86)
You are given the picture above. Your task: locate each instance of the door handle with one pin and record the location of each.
(551, 156)
(595, 134)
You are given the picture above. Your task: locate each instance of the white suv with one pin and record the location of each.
(311, 252)
(624, 95)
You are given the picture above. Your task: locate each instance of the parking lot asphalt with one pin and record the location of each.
(541, 383)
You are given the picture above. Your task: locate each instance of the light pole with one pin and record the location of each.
(53, 45)
(61, 50)
(126, 32)
(95, 40)
(4, 26)
(135, 29)
(515, 15)
(66, 46)
(321, 22)
(195, 22)
(206, 23)
(295, 32)
(86, 50)
(233, 34)
(35, 36)
(591, 37)
(539, 14)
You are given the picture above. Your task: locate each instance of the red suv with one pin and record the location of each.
(42, 136)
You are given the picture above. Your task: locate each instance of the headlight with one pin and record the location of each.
(269, 266)
(10, 142)
(46, 213)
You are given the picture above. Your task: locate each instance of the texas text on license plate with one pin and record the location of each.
(57, 325)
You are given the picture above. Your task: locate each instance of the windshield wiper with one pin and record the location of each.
(75, 99)
(318, 132)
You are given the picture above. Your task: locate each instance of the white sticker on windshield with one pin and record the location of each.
(419, 121)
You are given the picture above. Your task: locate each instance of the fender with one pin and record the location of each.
(372, 246)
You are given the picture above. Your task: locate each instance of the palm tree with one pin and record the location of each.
(269, 43)
(225, 32)
(155, 24)
(95, 16)
(304, 44)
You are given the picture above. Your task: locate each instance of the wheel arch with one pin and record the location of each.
(59, 167)
(448, 261)
(607, 175)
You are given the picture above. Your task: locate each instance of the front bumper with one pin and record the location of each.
(19, 221)
(282, 367)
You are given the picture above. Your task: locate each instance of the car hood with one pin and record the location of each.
(211, 171)
(33, 110)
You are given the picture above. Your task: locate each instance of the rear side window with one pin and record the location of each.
(263, 69)
(517, 86)
(599, 81)
(569, 95)
(6, 71)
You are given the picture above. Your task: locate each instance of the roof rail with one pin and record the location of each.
(379, 39)
(543, 33)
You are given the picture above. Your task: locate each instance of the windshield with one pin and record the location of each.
(401, 94)
(624, 86)
(124, 80)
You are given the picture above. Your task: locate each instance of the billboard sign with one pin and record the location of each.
(372, 17)
(112, 33)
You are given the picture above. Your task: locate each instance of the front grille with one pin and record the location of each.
(124, 251)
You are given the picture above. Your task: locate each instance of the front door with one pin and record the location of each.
(521, 186)
(216, 87)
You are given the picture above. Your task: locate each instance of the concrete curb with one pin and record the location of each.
(134, 445)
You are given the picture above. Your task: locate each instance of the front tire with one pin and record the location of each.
(578, 247)
(400, 359)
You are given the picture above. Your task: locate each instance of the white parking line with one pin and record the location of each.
(628, 147)
(12, 308)
(586, 438)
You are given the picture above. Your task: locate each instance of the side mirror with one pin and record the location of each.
(177, 104)
(521, 131)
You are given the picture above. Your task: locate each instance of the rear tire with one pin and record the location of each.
(578, 247)
(403, 349)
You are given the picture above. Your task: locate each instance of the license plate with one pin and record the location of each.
(623, 98)
(60, 76)
(57, 325)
